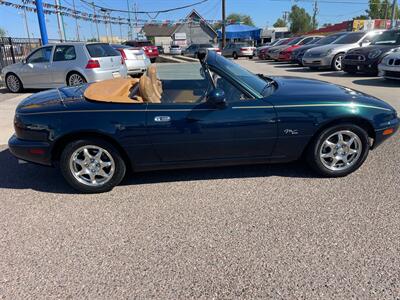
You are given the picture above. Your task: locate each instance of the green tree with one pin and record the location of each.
(379, 9)
(374, 9)
(2, 32)
(280, 23)
(236, 18)
(92, 40)
(300, 20)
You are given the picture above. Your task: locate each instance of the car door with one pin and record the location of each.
(185, 127)
(36, 71)
(63, 60)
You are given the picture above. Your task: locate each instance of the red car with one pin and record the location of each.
(149, 49)
(286, 53)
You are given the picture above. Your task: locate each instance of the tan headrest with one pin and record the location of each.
(112, 90)
(147, 91)
(152, 73)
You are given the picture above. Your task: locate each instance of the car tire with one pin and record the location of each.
(250, 57)
(350, 152)
(75, 79)
(87, 171)
(153, 60)
(337, 62)
(234, 55)
(13, 83)
(314, 68)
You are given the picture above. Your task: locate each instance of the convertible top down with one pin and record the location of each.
(211, 113)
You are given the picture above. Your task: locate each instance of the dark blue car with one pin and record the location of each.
(206, 114)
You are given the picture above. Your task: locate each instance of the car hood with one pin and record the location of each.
(368, 49)
(334, 47)
(295, 90)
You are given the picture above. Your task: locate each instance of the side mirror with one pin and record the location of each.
(217, 98)
(364, 43)
(24, 61)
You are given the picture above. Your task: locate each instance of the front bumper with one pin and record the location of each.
(32, 151)
(286, 56)
(380, 137)
(320, 62)
(367, 66)
(390, 72)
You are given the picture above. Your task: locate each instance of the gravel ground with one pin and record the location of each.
(241, 232)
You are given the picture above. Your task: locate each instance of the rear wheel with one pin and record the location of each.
(250, 57)
(339, 150)
(75, 79)
(235, 56)
(153, 60)
(13, 83)
(337, 62)
(92, 166)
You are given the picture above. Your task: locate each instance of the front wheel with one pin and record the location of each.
(337, 62)
(13, 83)
(92, 166)
(339, 150)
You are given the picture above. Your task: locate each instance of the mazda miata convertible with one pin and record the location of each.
(211, 113)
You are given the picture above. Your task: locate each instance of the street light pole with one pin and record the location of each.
(76, 20)
(223, 24)
(42, 22)
(392, 25)
(60, 21)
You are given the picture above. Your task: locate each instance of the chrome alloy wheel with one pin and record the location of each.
(341, 150)
(92, 165)
(338, 62)
(13, 83)
(75, 79)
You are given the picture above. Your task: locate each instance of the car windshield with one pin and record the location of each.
(295, 41)
(101, 50)
(206, 46)
(313, 41)
(350, 38)
(387, 38)
(329, 39)
(250, 79)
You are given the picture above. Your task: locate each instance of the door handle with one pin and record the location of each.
(162, 119)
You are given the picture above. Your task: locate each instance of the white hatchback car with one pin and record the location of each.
(63, 64)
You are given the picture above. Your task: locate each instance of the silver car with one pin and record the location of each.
(65, 64)
(330, 56)
(136, 60)
(237, 50)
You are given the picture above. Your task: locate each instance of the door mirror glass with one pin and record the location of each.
(217, 97)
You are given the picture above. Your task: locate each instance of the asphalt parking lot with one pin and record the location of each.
(270, 231)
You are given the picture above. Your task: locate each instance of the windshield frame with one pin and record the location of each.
(338, 41)
(218, 62)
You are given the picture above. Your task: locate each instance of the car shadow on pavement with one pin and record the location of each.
(14, 175)
(303, 70)
(378, 82)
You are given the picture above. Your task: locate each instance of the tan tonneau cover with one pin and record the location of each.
(113, 90)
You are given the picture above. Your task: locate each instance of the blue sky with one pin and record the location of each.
(263, 12)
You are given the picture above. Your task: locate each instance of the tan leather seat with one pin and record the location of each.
(112, 90)
(152, 74)
(147, 90)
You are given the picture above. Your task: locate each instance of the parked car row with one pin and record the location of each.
(374, 52)
(73, 64)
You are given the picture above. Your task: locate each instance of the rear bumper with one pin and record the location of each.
(151, 54)
(136, 66)
(32, 151)
(94, 75)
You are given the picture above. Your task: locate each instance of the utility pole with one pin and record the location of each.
(129, 20)
(76, 20)
(223, 33)
(26, 24)
(136, 23)
(392, 25)
(59, 21)
(120, 29)
(105, 23)
(109, 20)
(314, 17)
(286, 16)
(95, 21)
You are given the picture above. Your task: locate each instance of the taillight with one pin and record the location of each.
(244, 49)
(218, 50)
(122, 53)
(93, 64)
(122, 61)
